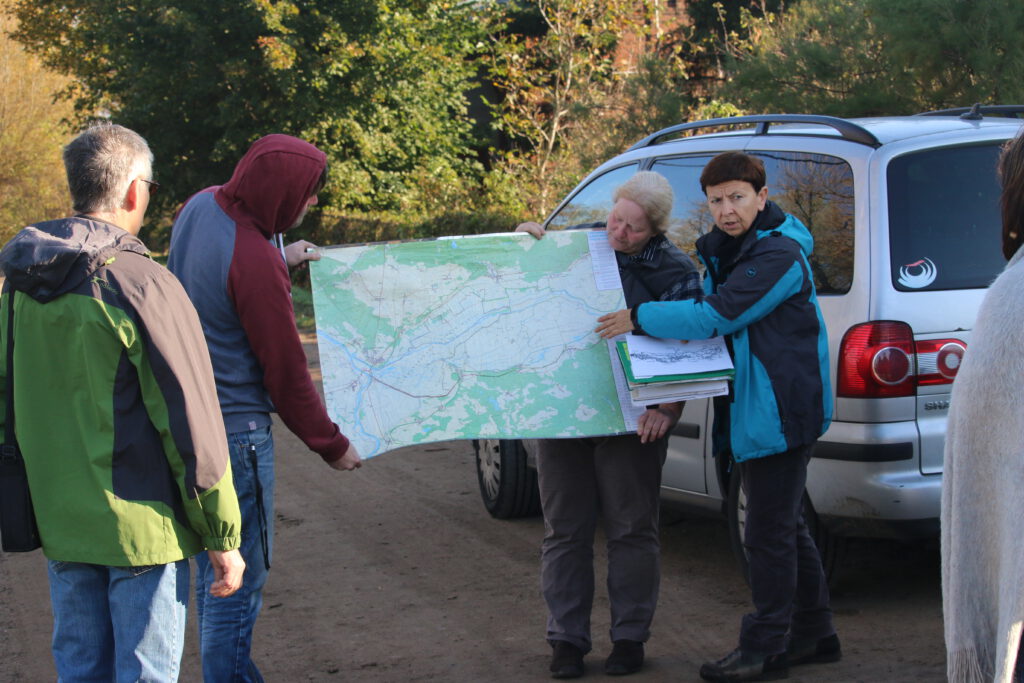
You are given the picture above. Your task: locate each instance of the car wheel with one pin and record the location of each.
(508, 485)
(830, 546)
(736, 510)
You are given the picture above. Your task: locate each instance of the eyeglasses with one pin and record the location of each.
(153, 186)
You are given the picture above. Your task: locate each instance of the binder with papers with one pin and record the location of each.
(688, 373)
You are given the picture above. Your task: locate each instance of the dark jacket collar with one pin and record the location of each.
(727, 250)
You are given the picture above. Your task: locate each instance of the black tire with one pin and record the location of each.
(736, 512)
(830, 546)
(508, 485)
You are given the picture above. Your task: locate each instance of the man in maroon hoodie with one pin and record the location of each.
(225, 249)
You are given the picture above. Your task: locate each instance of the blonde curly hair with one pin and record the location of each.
(653, 194)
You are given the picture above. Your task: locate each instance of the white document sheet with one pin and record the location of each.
(651, 356)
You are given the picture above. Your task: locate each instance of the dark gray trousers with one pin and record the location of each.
(787, 583)
(616, 479)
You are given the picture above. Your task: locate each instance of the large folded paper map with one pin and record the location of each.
(468, 337)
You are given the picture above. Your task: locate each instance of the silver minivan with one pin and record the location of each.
(905, 216)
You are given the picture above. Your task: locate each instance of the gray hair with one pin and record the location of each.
(652, 193)
(101, 163)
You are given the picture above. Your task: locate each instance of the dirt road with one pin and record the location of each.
(396, 573)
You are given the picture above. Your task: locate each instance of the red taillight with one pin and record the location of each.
(881, 360)
(891, 365)
(938, 360)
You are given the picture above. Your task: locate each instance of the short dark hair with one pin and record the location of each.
(733, 166)
(1011, 201)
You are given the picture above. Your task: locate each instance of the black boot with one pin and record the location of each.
(626, 658)
(812, 650)
(566, 660)
(746, 666)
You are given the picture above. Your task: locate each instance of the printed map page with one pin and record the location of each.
(466, 337)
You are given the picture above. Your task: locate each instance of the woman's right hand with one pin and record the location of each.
(535, 229)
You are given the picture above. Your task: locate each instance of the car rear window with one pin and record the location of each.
(944, 223)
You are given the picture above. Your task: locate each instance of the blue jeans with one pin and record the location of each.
(118, 623)
(226, 624)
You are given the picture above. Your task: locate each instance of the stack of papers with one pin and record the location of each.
(669, 370)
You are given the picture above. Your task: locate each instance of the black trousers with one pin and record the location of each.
(787, 583)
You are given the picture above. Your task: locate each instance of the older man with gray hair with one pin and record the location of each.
(118, 421)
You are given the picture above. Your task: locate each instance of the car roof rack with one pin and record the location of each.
(978, 111)
(762, 122)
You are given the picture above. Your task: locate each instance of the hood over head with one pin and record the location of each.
(272, 183)
(51, 258)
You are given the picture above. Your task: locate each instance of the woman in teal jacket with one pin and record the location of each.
(760, 295)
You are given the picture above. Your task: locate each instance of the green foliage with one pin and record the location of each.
(955, 52)
(553, 83)
(385, 87)
(715, 30)
(377, 85)
(601, 75)
(873, 57)
(381, 87)
(302, 303)
(821, 56)
(32, 183)
(387, 226)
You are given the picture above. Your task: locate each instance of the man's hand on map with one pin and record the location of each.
(655, 422)
(350, 461)
(535, 229)
(299, 252)
(614, 324)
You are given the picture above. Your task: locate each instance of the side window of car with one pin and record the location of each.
(818, 190)
(690, 217)
(815, 188)
(593, 202)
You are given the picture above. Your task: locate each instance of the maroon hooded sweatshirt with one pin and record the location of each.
(223, 252)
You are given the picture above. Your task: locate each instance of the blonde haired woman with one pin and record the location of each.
(616, 478)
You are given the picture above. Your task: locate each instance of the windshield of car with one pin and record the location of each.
(593, 202)
(944, 223)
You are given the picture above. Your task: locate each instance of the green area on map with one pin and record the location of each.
(464, 338)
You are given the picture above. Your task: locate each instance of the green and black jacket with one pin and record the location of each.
(115, 407)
